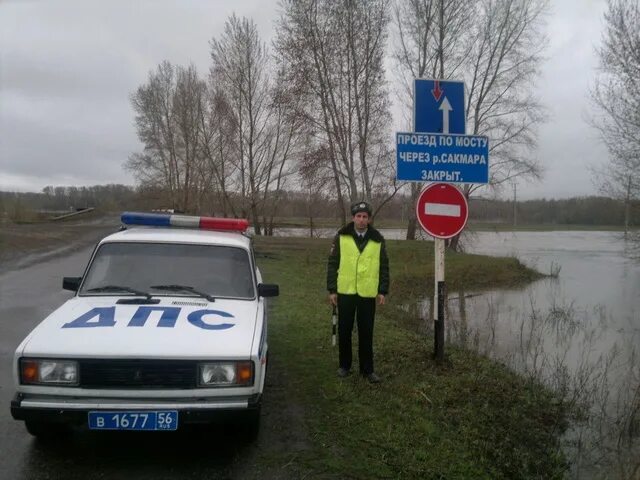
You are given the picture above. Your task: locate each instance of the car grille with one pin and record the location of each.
(138, 374)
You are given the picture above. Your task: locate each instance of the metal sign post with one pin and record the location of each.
(440, 295)
(439, 151)
(442, 211)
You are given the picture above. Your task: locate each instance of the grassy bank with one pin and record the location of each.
(470, 418)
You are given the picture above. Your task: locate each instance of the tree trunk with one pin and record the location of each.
(411, 225)
(627, 206)
(454, 242)
(257, 228)
(411, 229)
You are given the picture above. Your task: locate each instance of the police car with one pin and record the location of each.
(168, 327)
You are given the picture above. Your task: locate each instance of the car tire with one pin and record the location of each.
(46, 431)
(251, 424)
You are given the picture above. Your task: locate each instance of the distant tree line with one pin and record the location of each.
(60, 198)
(615, 96)
(307, 208)
(572, 211)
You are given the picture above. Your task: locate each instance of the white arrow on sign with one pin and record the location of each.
(445, 106)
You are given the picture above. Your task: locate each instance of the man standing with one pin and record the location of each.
(357, 274)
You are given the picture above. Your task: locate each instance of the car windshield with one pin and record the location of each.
(218, 271)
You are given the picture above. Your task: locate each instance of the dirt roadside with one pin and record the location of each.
(22, 245)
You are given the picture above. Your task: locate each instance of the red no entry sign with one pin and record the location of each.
(442, 210)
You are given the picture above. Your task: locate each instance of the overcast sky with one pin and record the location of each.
(68, 67)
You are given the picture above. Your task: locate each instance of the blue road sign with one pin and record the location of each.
(438, 104)
(434, 157)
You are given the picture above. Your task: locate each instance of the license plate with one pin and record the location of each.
(134, 420)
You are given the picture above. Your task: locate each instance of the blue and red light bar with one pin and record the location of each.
(184, 221)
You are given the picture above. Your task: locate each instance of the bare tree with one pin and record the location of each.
(188, 101)
(167, 110)
(616, 98)
(226, 143)
(430, 35)
(432, 41)
(286, 140)
(241, 69)
(495, 46)
(217, 126)
(506, 56)
(314, 182)
(333, 51)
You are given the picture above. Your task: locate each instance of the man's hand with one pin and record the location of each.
(333, 299)
(380, 299)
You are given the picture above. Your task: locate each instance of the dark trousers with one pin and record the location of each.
(363, 310)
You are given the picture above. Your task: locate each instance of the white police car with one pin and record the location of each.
(168, 327)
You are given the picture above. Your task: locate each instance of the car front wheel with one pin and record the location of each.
(251, 424)
(46, 431)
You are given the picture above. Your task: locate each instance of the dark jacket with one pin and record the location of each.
(334, 257)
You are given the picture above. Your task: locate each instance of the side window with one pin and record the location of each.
(242, 276)
(254, 267)
(99, 269)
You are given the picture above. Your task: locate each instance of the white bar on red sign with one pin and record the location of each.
(443, 209)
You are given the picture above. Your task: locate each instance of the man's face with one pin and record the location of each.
(361, 221)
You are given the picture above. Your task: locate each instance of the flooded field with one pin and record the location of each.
(577, 331)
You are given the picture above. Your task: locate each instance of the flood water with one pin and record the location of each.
(577, 331)
(596, 271)
(595, 287)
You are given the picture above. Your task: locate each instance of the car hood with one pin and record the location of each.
(98, 327)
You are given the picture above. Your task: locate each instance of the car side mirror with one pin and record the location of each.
(71, 283)
(268, 290)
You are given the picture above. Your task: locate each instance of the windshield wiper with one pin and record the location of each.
(119, 288)
(183, 288)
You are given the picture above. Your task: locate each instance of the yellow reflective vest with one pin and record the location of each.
(359, 272)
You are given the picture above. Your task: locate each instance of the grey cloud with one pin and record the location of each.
(58, 150)
(68, 67)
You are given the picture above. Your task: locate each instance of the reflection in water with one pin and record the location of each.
(571, 351)
(631, 243)
(579, 334)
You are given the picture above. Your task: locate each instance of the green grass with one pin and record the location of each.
(469, 418)
(413, 265)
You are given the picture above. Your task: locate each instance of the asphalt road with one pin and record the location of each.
(30, 293)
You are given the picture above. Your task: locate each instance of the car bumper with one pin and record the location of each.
(75, 410)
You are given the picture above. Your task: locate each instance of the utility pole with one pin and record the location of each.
(515, 204)
(627, 206)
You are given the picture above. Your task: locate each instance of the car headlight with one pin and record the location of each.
(226, 374)
(40, 371)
